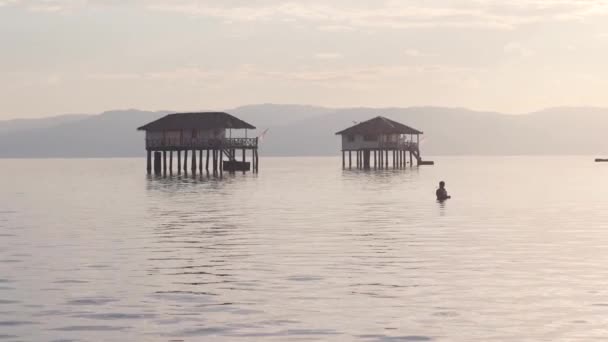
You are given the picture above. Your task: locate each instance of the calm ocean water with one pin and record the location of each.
(94, 250)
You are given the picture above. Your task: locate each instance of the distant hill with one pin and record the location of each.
(307, 130)
(16, 125)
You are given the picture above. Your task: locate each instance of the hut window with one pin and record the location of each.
(369, 137)
(350, 138)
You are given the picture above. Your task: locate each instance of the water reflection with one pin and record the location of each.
(302, 251)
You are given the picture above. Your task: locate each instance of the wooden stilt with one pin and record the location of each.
(343, 159)
(165, 163)
(214, 162)
(394, 159)
(350, 162)
(207, 162)
(398, 159)
(398, 155)
(221, 161)
(149, 162)
(179, 162)
(185, 162)
(193, 166)
(375, 159)
(157, 162)
(252, 160)
(200, 162)
(170, 162)
(411, 164)
(257, 161)
(244, 158)
(386, 161)
(362, 159)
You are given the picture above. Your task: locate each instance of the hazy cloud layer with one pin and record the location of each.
(92, 55)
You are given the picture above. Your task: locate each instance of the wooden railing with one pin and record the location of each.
(201, 144)
(405, 145)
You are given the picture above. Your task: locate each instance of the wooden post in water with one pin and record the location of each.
(193, 166)
(214, 156)
(411, 164)
(179, 162)
(185, 162)
(343, 159)
(165, 163)
(257, 161)
(170, 162)
(386, 161)
(200, 162)
(350, 162)
(244, 158)
(362, 161)
(207, 162)
(398, 154)
(394, 159)
(149, 162)
(221, 161)
(375, 160)
(157, 162)
(252, 160)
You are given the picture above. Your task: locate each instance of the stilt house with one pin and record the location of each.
(215, 133)
(388, 141)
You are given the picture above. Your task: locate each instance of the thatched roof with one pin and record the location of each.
(379, 125)
(204, 120)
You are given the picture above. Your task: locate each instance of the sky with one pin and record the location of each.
(517, 56)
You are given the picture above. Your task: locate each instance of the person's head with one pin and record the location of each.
(442, 184)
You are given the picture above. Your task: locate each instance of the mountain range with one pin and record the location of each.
(296, 130)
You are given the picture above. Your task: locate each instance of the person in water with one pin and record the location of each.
(442, 193)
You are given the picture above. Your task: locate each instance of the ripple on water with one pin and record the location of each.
(70, 281)
(91, 301)
(304, 278)
(386, 338)
(116, 316)
(204, 331)
(6, 301)
(91, 328)
(16, 323)
(290, 333)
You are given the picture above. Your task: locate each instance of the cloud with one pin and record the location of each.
(417, 53)
(516, 48)
(327, 55)
(348, 15)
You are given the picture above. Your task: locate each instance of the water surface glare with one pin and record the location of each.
(94, 250)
